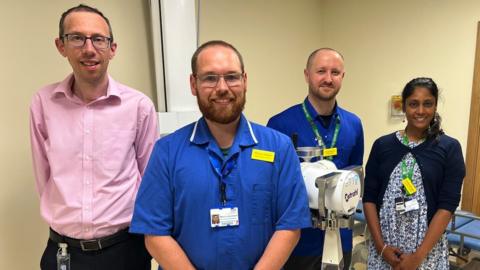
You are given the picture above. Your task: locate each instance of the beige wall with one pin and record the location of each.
(385, 44)
(275, 38)
(30, 60)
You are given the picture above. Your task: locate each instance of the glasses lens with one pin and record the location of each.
(211, 80)
(76, 40)
(233, 79)
(100, 42)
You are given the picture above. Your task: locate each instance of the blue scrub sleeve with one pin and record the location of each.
(292, 201)
(272, 123)
(153, 213)
(356, 157)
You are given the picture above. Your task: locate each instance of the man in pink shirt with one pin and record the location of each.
(91, 139)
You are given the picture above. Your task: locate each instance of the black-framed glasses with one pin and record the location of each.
(78, 41)
(211, 80)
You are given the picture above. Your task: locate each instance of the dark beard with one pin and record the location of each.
(222, 116)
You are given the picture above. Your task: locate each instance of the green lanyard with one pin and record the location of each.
(407, 173)
(317, 133)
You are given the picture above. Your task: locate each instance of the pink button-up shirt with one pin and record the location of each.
(89, 158)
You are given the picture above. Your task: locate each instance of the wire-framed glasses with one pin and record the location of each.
(211, 80)
(78, 41)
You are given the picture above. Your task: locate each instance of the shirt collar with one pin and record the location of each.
(313, 113)
(65, 88)
(114, 89)
(245, 136)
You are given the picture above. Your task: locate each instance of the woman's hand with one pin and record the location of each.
(409, 261)
(391, 255)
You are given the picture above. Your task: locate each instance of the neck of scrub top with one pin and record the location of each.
(224, 134)
(322, 107)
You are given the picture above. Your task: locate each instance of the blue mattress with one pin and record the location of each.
(471, 228)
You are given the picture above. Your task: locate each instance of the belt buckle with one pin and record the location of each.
(90, 245)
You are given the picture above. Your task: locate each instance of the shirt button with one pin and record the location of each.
(87, 158)
(87, 131)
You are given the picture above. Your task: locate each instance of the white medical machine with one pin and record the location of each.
(333, 196)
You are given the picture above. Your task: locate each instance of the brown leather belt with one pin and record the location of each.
(93, 244)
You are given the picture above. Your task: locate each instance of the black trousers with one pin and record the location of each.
(313, 262)
(127, 255)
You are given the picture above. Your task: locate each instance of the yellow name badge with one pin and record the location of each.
(408, 185)
(328, 152)
(263, 155)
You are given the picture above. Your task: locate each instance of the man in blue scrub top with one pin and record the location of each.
(223, 192)
(319, 121)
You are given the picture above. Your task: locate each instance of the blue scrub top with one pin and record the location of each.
(180, 186)
(350, 152)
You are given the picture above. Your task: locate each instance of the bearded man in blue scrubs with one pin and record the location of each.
(319, 121)
(223, 192)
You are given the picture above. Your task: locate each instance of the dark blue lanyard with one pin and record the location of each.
(222, 170)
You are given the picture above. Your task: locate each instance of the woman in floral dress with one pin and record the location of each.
(412, 186)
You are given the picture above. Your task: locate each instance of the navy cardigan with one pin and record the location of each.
(440, 162)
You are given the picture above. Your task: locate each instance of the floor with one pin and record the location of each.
(360, 247)
(472, 264)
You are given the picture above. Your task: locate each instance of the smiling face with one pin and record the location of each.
(420, 108)
(324, 75)
(222, 103)
(88, 63)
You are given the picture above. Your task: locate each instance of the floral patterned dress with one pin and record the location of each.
(407, 230)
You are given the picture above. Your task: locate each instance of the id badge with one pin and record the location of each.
(330, 152)
(411, 205)
(409, 186)
(399, 205)
(63, 257)
(223, 217)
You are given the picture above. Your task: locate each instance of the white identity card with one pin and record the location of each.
(223, 217)
(411, 205)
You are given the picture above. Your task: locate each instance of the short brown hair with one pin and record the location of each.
(212, 43)
(86, 8)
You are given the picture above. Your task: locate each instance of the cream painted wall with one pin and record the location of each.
(29, 61)
(275, 39)
(387, 43)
